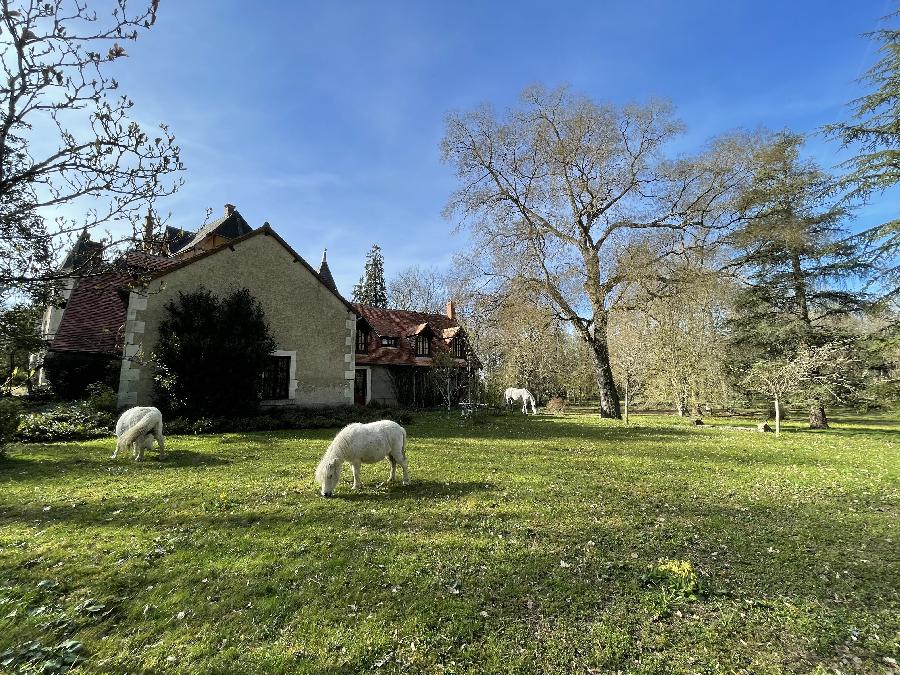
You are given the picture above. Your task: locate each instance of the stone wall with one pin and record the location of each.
(304, 317)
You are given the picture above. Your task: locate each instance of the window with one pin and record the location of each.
(362, 341)
(423, 345)
(459, 348)
(388, 342)
(276, 378)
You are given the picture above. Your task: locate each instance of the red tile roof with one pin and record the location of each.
(403, 325)
(94, 317)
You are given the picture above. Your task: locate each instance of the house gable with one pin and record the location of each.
(304, 315)
(400, 328)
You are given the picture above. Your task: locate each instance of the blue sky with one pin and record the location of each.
(325, 118)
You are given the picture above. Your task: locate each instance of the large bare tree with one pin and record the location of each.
(579, 200)
(68, 143)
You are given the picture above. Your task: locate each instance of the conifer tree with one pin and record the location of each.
(371, 289)
(873, 131)
(795, 258)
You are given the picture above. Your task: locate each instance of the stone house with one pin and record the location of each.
(113, 317)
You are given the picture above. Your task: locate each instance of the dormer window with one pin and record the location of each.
(459, 348)
(388, 341)
(362, 341)
(423, 345)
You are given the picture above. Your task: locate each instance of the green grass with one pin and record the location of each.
(546, 544)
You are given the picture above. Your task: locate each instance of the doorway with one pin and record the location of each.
(361, 386)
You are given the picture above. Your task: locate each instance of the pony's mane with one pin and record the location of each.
(333, 454)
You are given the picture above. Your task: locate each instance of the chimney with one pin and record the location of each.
(229, 209)
(451, 310)
(148, 231)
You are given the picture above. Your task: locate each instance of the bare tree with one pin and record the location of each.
(823, 368)
(629, 339)
(562, 192)
(420, 289)
(66, 135)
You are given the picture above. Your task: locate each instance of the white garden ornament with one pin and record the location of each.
(357, 443)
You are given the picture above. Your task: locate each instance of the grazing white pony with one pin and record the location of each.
(357, 443)
(137, 428)
(512, 394)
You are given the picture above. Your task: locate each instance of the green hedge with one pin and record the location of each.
(65, 422)
(291, 418)
(81, 421)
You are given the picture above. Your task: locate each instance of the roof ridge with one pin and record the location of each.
(263, 229)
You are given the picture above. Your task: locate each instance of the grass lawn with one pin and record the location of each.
(547, 544)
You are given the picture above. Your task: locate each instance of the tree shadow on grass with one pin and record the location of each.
(417, 489)
(548, 429)
(23, 469)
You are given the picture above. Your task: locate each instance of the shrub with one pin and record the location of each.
(211, 354)
(71, 373)
(290, 418)
(10, 414)
(65, 422)
(102, 398)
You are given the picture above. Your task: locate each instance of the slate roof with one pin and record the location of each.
(84, 254)
(231, 226)
(177, 238)
(403, 325)
(325, 273)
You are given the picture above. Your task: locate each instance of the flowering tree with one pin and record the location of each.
(825, 368)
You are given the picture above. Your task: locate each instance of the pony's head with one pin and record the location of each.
(329, 472)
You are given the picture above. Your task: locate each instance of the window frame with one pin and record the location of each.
(459, 348)
(389, 341)
(279, 371)
(423, 345)
(362, 337)
(291, 377)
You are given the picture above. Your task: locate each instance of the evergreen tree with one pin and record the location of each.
(211, 353)
(874, 131)
(795, 258)
(371, 289)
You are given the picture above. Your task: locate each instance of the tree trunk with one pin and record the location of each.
(817, 419)
(777, 417)
(626, 400)
(609, 397)
(799, 281)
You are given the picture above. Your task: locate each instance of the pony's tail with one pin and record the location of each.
(143, 426)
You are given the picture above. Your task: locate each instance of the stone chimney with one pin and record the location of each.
(451, 310)
(148, 231)
(229, 209)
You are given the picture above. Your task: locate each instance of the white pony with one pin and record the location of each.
(137, 428)
(512, 394)
(357, 443)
